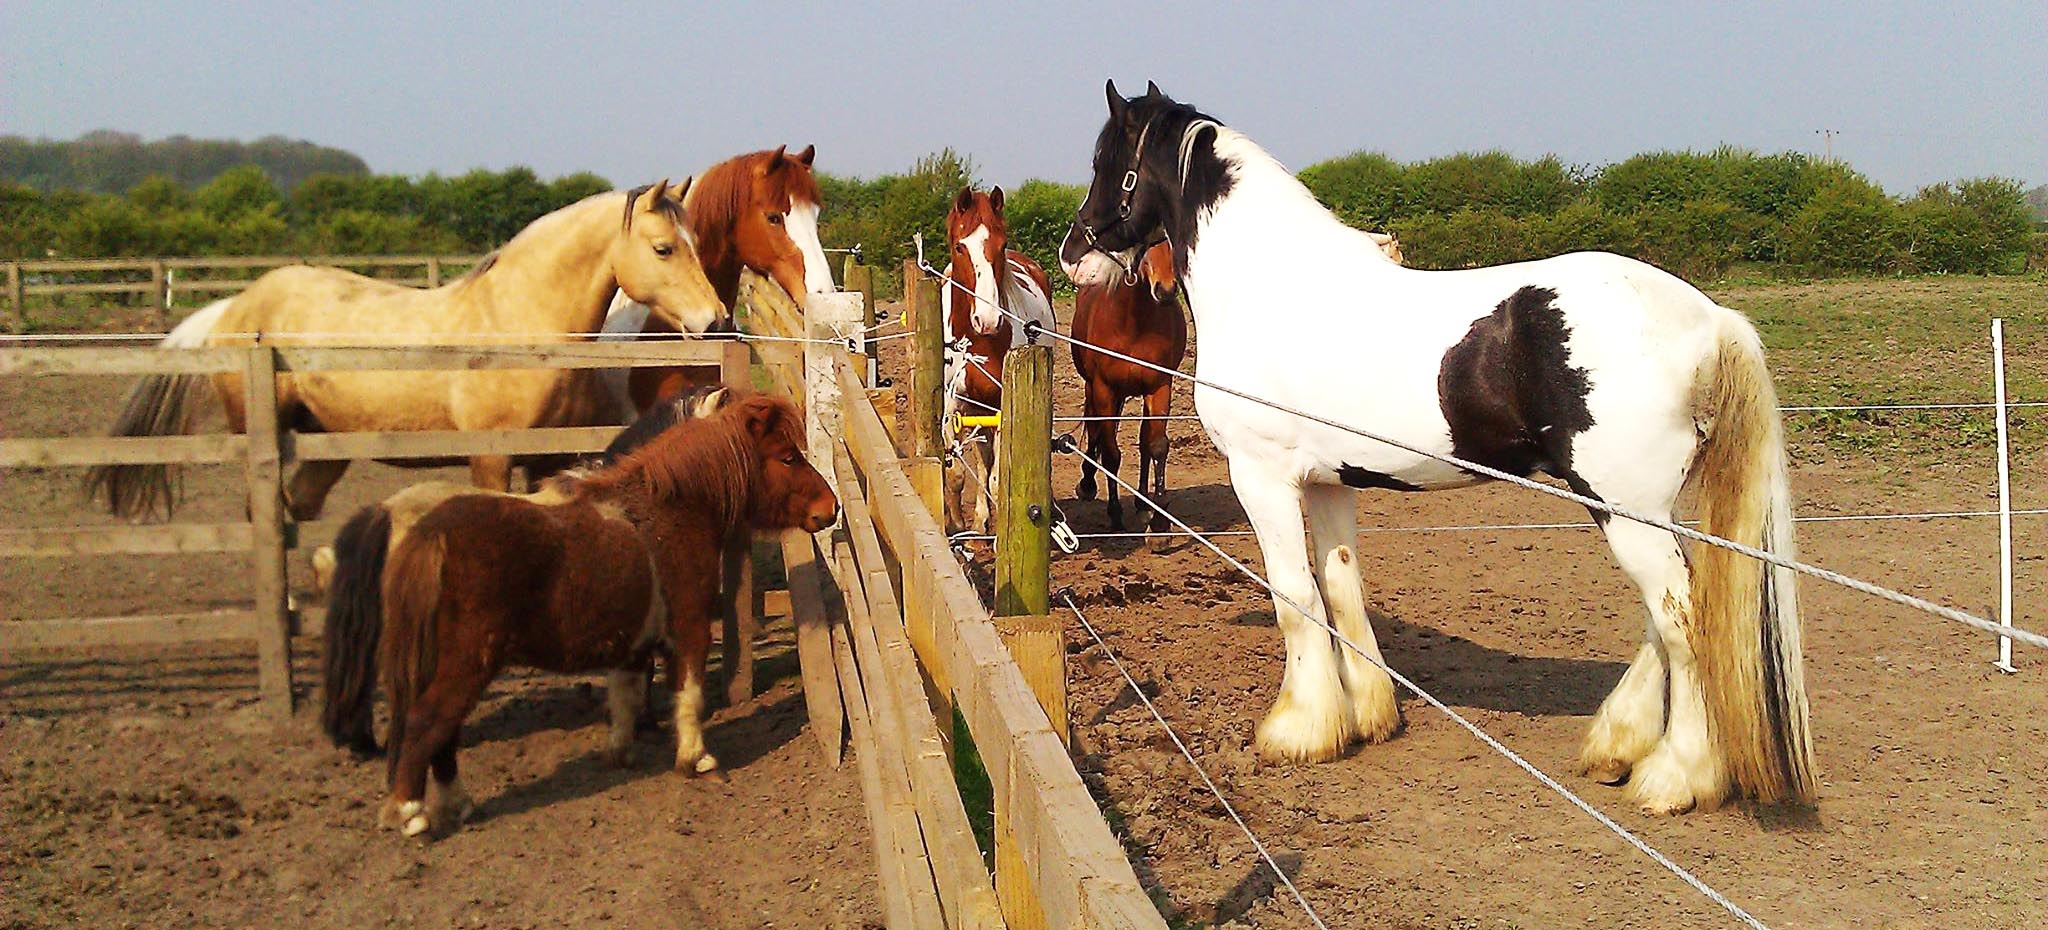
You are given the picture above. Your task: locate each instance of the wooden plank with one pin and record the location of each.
(1024, 485)
(894, 894)
(742, 622)
(964, 885)
(118, 360)
(927, 362)
(814, 643)
(427, 444)
(559, 354)
(125, 540)
(266, 521)
(84, 264)
(126, 631)
(90, 287)
(886, 722)
(121, 450)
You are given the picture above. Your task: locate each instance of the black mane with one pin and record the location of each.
(1162, 202)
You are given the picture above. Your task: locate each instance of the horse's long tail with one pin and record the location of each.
(412, 600)
(355, 623)
(158, 405)
(1746, 636)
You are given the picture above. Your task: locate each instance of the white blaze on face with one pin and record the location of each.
(802, 225)
(986, 294)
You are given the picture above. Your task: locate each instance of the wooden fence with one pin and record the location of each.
(159, 283)
(893, 639)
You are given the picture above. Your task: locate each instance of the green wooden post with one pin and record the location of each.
(17, 297)
(1024, 484)
(927, 363)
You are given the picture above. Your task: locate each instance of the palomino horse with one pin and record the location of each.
(756, 212)
(988, 281)
(1141, 319)
(351, 572)
(1617, 378)
(552, 282)
(626, 564)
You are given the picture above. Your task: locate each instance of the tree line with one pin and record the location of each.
(1698, 214)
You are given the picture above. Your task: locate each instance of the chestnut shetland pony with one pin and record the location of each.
(626, 564)
(757, 212)
(1143, 320)
(551, 282)
(985, 274)
(351, 572)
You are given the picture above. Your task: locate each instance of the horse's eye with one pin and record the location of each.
(775, 218)
(959, 246)
(790, 459)
(664, 249)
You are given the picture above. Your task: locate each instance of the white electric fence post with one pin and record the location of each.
(2004, 663)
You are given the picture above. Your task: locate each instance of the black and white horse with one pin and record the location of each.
(1609, 374)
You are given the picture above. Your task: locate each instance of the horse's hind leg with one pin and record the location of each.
(311, 481)
(1309, 721)
(625, 692)
(491, 472)
(448, 804)
(1152, 446)
(692, 636)
(430, 730)
(1333, 526)
(1679, 770)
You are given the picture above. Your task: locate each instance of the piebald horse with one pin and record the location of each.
(988, 281)
(755, 212)
(553, 281)
(1621, 380)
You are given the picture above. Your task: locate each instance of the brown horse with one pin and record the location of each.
(553, 281)
(351, 572)
(625, 565)
(988, 281)
(755, 212)
(1144, 321)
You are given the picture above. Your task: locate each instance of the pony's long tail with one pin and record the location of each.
(158, 405)
(355, 623)
(412, 599)
(1746, 636)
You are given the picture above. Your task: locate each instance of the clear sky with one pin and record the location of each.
(1918, 92)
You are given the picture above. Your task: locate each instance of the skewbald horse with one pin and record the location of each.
(551, 282)
(984, 274)
(625, 565)
(1615, 377)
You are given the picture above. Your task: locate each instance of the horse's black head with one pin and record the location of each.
(1142, 191)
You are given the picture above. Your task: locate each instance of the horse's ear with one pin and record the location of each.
(1152, 90)
(1116, 100)
(654, 195)
(762, 418)
(805, 156)
(995, 198)
(683, 190)
(965, 201)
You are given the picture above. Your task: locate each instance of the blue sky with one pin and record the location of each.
(1918, 92)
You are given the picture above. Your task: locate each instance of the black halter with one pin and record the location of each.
(1123, 215)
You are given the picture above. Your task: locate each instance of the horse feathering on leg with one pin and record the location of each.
(1617, 378)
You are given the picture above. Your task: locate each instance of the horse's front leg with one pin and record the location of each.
(307, 492)
(690, 630)
(1310, 721)
(625, 693)
(1152, 446)
(491, 472)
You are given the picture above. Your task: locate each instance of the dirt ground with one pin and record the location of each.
(141, 787)
(1932, 763)
(136, 788)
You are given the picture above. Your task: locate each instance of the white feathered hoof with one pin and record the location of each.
(1662, 784)
(1295, 732)
(1607, 771)
(1375, 715)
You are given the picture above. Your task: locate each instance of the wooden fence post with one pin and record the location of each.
(433, 272)
(17, 298)
(1023, 583)
(860, 279)
(927, 389)
(266, 531)
(158, 297)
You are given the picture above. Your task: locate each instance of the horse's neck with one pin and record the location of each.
(554, 277)
(720, 255)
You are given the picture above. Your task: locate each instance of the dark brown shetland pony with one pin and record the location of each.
(1142, 320)
(758, 212)
(628, 564)
(987, 278)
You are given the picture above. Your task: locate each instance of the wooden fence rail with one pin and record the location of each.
(161, 281)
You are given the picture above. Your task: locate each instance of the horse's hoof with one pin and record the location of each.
(1606, 771)
(619, 758)
(1290, 733)
(1085, 490)
(388, 816)
(1661, 785)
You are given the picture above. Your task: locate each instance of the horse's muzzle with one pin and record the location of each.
(723, 324)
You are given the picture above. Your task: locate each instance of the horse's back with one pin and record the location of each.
(311, 298)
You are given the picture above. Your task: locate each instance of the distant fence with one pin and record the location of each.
(160, 283)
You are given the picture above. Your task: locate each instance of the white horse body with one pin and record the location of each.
(1618, 378)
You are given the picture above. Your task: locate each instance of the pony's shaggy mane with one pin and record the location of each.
(711, 461)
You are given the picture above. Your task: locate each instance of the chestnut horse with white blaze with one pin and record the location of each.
(552, 282)
(1142, 319)
(756, 212)
(625, 565)
(1617, 378)
(986, 278)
